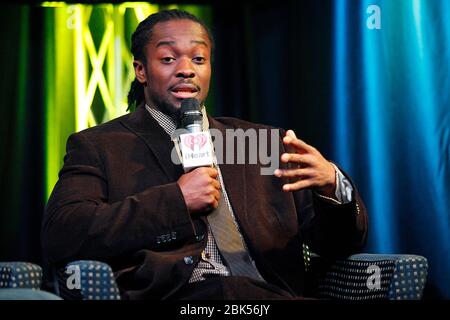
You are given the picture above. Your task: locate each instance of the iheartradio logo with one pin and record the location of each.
(191, 140)
(196, 150)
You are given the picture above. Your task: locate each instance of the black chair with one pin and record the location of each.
(367, 277)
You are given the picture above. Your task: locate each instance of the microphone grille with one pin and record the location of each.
(189, 104)
(190, 112)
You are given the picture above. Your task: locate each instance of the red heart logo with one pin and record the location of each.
(190, 141)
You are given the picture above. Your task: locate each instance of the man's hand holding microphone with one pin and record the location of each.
(200, 185)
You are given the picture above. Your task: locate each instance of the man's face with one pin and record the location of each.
(178, 65)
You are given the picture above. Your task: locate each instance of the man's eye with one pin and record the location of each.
(167, 59)
(199, 59)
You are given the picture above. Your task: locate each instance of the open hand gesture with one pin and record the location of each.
(309, 169)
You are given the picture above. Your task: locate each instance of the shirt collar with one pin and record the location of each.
(168, 124)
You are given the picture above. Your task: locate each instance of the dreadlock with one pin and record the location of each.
(141, 37)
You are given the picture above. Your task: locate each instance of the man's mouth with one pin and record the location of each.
(184, 91)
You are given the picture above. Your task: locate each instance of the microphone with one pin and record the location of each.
(191, 117)
(196, 146)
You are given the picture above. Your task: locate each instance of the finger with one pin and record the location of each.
(293, 173)
(291, 133)
(216, 195)
(212, 172)
(298, 144)
(212, 191)
(215, 183)
(296, 158)
(214, 204)
(298, 185)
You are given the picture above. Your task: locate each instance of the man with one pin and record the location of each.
(122, 200)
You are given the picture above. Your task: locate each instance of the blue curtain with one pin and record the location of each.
(391, 105)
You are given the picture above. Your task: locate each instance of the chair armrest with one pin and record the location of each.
(26, 294)
(370, 276)
(87, 280)
(20, 275)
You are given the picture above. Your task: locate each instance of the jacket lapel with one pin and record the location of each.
(147, 128)
(234, 179)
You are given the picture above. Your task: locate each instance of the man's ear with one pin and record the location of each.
(139, 70)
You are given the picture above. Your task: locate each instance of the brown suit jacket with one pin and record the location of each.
(117, 200)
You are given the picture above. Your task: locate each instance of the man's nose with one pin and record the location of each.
(185, 69)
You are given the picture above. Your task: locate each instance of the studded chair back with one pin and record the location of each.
(20, 275)
(87, 280)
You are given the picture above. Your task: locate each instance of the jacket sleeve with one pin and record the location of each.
(80, 223)
(332, 230)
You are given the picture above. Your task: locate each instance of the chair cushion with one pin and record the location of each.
(375, 276)
(20, 275)
(87, 280)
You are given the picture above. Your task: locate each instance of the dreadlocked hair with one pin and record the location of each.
(142, 36)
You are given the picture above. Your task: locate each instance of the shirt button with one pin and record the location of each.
(188, 260)
(200, 237)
